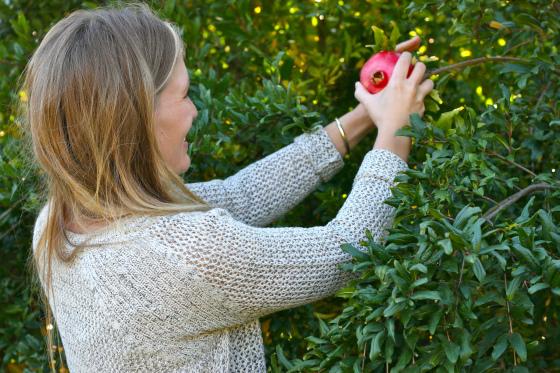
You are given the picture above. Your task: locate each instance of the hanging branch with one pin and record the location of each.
(514, 198)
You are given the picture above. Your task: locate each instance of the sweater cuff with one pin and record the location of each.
(380, 164)
(321, 152)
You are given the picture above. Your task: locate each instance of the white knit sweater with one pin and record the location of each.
(184, 292)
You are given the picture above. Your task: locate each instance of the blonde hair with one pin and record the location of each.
(92, 87)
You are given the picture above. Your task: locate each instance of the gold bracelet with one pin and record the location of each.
(343, 135)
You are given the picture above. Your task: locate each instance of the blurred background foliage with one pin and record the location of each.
(264, 71)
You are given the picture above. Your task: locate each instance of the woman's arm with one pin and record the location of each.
(255, 271)
(268, 188)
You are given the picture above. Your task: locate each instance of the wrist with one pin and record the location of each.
(400, 145)
(361, 115)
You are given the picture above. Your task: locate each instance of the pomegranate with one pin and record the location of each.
(376, 72)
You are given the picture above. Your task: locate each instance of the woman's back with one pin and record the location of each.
(184, 292)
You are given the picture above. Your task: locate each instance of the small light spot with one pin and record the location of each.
(257, 10)
(344, 196)
(545, 318)
(341, 60)
(197, 72)
(479, 90)
(553, 171)
(489, 101)
(422, 49)
(293, 10)
(50, 327)
(357, 14)
(431, 40)
(2, 133)
(414, 207)
(211, 28)
(224, 65)
(501, 42)
(543, 337)
(315, 102)
(23, 96)
(412, 33)
(314, 21)
(427, 19)
(465, 53)
(316, 38)
(341, 3)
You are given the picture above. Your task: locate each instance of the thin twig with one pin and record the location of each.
(364, 357)
(541, 96)
(519, 45)
(13, 206)
(472, 62)
(514, 198)
(6, 62)
(501, 157)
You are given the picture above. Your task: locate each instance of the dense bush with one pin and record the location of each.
(453, 288)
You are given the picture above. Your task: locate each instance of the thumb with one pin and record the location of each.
(360, 93)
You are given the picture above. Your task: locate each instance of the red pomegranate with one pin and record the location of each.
(376, 72)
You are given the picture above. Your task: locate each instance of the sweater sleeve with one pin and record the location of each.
(257, 271)
(265, 190)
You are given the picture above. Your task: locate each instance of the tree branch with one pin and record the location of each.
(501, 157)
(472, 62)
(490, 214)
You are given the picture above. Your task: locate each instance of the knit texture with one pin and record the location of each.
(184, 292)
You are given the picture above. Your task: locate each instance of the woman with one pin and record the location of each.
(143, 273)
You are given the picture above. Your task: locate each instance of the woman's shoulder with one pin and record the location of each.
(164, 226)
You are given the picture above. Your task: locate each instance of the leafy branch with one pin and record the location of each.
(490, 214)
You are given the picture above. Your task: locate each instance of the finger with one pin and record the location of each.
(409, 45)
(361, 94)
(401, 67)
(417, 73)
(425, 88)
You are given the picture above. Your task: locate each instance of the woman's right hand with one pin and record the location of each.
(391, 108)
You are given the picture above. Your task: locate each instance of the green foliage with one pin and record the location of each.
(452, 287)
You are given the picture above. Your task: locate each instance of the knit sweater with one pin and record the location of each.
(184, 292)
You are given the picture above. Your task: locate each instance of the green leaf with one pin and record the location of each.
(446, 245)
(538, 286)
(478, 269)
(381, 42)
(282, 358)
(426, 294)
(464, 215)
(451, 350)
(446, 119)
(393, 309)
(500, 347)
(419, 267)
(518, 345)
(376, 345)
(434, 321)
(395, 35)
(350, 249)
(512, 287)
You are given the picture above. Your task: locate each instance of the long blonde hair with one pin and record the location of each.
(92, 87)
